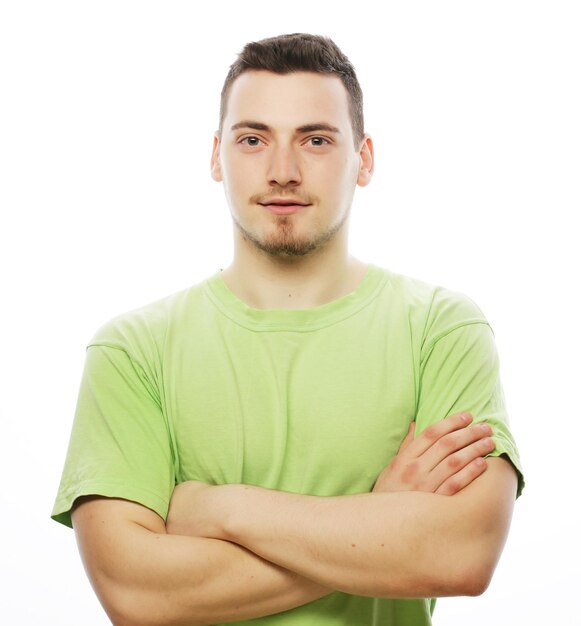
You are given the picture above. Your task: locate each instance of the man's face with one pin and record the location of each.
(288, 139)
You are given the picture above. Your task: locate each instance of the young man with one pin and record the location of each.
(246, 448)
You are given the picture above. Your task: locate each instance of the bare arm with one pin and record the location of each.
(379, 544)
(143, 575)
(407, 544)
(403, 540)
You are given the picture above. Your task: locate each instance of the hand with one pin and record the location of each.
(444, 459)
(197, 509)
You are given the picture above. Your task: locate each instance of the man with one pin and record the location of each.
(301, 437)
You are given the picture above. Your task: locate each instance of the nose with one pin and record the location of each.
(284, 167)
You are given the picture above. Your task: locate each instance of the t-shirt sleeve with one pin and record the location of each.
(120, 445)
(459, 371)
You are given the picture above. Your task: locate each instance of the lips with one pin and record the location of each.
(283, 202)
(284, 206)
(284, 209)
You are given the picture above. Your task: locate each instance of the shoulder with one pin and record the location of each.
(142, 331)
(434, 309)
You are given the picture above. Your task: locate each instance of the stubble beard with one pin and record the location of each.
(284, 243)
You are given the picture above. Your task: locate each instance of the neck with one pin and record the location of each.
(264, 281)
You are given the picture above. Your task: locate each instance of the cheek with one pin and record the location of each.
(341, 179)
(341, 169)
(350, 174)
(324, 174)
(233, 176)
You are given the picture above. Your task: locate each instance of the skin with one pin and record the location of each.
(219, 556)
(376, 544)
(149, 572)
(318, 167)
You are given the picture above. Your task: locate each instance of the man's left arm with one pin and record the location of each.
(399, 545)
(404, 544)
(396, 544)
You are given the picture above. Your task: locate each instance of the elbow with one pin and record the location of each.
(450, 584)
(478, 567)
(458, 576)
(445, 580)
(130, 603)
(122, 609)
(474, 579)
(127, 606)
(135, 609)
(127, 616)
(475, 585)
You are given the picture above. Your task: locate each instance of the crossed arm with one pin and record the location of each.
(236, 552)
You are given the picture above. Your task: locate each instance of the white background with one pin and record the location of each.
(107, 111)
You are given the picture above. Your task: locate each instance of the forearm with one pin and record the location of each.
(153, 578)
(407, 544)
(380, 545)
(213, 581)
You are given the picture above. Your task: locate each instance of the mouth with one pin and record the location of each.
(285, 207)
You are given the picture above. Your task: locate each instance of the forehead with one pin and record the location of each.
(288, 100)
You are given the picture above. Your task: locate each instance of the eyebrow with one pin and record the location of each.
(306, 128)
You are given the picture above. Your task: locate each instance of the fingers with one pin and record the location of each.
(444, 459)
(437, 431)
(448, 452)
(463, 478)
(460, 441)
(443, 439)
(460, 468)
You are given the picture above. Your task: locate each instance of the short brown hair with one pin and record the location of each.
(299, 52)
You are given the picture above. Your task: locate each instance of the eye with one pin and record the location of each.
(319, 139)
(251, 141)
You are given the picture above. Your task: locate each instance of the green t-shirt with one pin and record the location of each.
(314, 401)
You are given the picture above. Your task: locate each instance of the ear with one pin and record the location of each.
(367, 162)
(215, 167)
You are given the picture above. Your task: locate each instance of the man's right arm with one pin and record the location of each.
(143, 575)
